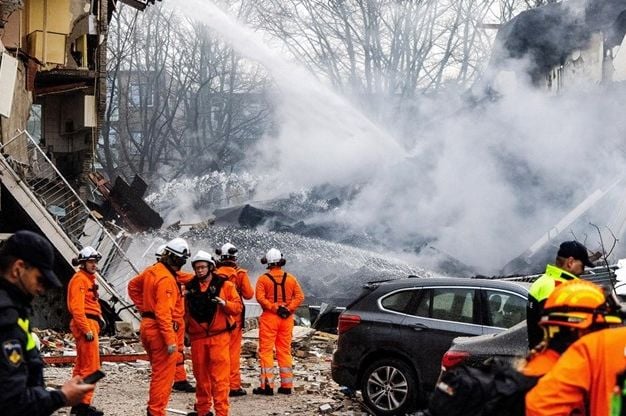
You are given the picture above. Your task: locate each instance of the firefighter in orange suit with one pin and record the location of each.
(227, 266)
(180, 377)
(574, 309)
(161, 294)
(135, 293)
(585, 373)
(279, 294)
(135, 285)
(84, 307)
(211, 303)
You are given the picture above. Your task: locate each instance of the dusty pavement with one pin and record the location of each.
(124, 390)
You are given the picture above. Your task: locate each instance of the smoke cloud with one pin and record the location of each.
(480, 182)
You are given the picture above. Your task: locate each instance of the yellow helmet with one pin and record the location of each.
(578, 304)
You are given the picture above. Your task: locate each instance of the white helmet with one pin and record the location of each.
(202, 255)
(89, 253)
(160, 251)
(273, 257)
(227, 251)
(177, 247)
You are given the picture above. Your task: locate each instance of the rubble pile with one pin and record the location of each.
(124, 390)
(56, 344)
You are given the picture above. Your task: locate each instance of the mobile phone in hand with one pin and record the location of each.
(93, 377)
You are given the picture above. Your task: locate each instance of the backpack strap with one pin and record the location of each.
(276, 284)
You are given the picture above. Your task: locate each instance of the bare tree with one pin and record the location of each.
(180, 100)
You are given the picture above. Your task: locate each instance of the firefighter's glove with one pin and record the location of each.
(89, 336)
(218, 300)
(283, 312)
(171, 349)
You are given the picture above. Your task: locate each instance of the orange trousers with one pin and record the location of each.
(87, 353)
(163, 367)
(181, 374)
(235, 352)
(275, 332)
(211, 367)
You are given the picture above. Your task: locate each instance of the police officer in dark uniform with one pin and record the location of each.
(26, 261)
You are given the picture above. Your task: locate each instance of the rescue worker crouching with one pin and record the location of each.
(279, 295)
(570, 263)
(26, 262)
(228, 266)
(160, 296)
(86, 323)
(211, 303)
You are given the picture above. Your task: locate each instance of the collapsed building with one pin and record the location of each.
(53, 96)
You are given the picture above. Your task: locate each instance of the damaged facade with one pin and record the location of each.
(561, 45)
(53, 84)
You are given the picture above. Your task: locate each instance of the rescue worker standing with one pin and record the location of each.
(279, 295)
(585, 373)
(26, 262)
(135, 293)
(158, 328)
(574, 309)
(570, 263)
(228, 266)
(84, 307)
(212, 302)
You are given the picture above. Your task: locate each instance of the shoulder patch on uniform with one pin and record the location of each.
(12, 350)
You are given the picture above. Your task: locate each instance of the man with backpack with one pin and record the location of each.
(279, 294)
(496, 388)
(228, 266)
(211, 303)
(588, 372)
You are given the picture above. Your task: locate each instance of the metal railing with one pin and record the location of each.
(82, 226)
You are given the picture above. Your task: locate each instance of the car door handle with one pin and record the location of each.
(418, 327)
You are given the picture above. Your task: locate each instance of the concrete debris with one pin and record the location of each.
(125, 388)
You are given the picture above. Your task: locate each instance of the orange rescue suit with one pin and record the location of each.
(274, 331)
(179, 317)
(540, 363)
(209, 350)
(161, 295)
(135, 293)
(239, 277)
(586, 372)
(83, 305)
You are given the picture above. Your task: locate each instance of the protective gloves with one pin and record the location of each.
(218, 300)
(283, 312)
(89, 336)
(171, 349)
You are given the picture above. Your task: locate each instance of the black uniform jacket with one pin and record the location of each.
(22, 390)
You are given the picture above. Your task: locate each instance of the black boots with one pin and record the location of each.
(236, 393)
(85, 410)
(196, 414)
(267, 390)
(183, 386)
(284, 390)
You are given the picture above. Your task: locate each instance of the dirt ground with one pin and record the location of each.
(124, 390)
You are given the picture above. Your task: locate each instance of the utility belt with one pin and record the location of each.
(151, 315)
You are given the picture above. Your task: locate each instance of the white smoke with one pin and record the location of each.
(481, 182)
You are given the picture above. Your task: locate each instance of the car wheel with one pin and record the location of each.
(389, 387)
